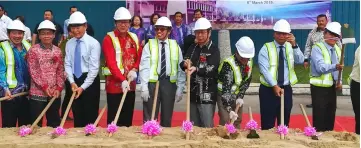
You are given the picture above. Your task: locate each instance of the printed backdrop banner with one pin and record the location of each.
(238, 14)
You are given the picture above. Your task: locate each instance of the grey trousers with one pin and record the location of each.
(202, 114)
(224, 114)
(166, 98)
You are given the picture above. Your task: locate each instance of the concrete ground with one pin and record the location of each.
(344, 105)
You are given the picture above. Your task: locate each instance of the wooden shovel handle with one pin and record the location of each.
(119, 110)
(250, 113)
(100, 115)
(42, 113)
(67, 109)
(188, 95)
(15, 95)
(155, 99)
(236, 110)
(305, 115)
(282, 111)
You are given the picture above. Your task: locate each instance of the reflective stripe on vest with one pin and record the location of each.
(10, 62)
(237, 74)
(325, 80)
(118, 51)
(273, 62)
(154, 56)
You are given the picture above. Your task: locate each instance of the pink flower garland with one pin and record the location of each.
(187, 126)
(310, 131)
(251, 125)
(151, 128)
(24, 131)
(282, 129)
(90, 129)
(230, 128)
(112, 128)
(59, 131)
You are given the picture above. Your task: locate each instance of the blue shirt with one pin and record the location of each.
(190, 28)
(318, 65)
(150, 32)
(140, 32)
(178, 33)
(65, 28)
(263, 62)
(90, 59)
(21, 68)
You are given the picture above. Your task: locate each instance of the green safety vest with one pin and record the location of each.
(237, 74)
(273, 62)
(118, 51)
(325, 80)
(10, 62)
(154, 56)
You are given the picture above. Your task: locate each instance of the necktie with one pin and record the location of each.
(334, 61)
(77, 60)
(163, 62)
(281, 66)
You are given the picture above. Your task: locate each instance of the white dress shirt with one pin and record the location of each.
(27, 34)
(355, 74)
(90, 52)
(144, 67)
(4, 22)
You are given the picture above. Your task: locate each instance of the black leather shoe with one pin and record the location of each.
(309, 105)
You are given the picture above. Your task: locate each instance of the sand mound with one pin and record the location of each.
(172, 137)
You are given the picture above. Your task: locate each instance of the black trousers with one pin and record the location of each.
(270, 106)
(52, 114)
(86, 107)
(68, 93)
(355, 98)
(126, 114)
(15, 110)
(323, 107)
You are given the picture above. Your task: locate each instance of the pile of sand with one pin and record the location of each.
(172, 137)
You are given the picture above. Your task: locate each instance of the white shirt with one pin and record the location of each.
(4, 22)
(90, 62)
(27, 35)
(355, 74)
(144, 67)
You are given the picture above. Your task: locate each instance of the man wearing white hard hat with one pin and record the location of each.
(235, 75)
(46, 68)
(325, 65)
(122, 53)
(14, 76)
(276, 61)
(203, 57)
(160, 62)
(82, 61)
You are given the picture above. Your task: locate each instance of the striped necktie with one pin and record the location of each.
(163, 62)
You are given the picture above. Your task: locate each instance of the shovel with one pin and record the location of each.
(253, 133)
(348, 37)
(16, 95)
(119, 110)
(313, 137)
(98, 118)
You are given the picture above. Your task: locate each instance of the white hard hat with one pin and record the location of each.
(163, 21)
(334, 27)
(16, 25)
(46, 24)
(122, 14)
(245, 47)
(202, 24)
(77, 18)
(282, 26)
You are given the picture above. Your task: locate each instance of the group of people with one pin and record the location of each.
(164, 53)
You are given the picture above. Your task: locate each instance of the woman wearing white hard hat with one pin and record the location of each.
(325, 65)
(14, 76)
(46, 68)
(162, 67)
(203, 58)
(276, 61)
(122, 51)
(233, 81)
(82, 60)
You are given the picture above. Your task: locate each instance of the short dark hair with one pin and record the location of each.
(21, 18)
(152, 16)
(178, 13)
(332, 33)
(2, 7)
(48, 10)
(72, 7)
(198, 10)
(321, 15)
(132, 21)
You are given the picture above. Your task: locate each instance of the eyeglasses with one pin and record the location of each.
(161, 29)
